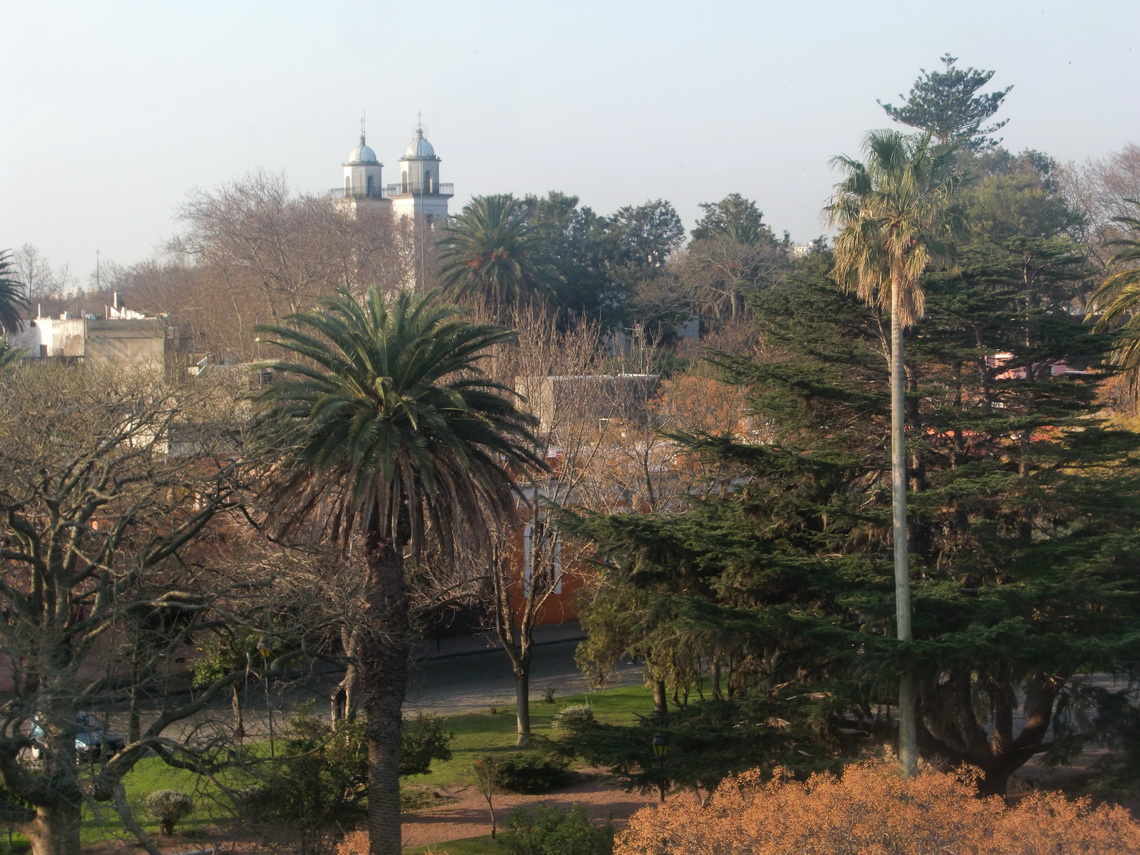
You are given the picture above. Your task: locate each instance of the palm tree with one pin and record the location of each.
(1118, 299)
(9, 355)
(893, 213)
(12, 298)
(492, 253)
(392, 436)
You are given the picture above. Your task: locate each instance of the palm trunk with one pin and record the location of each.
(908, 732)
(383, 682)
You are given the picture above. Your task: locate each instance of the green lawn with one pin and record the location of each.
(471, 846)
(475, 734)
(481, 732)
(101, 822)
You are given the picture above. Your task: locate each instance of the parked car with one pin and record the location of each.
(92, 740)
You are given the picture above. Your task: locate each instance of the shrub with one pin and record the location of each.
(872, 808)
(322, 777)
(169, 807)
(572, 717)
(532, 772)
(423, 739)
(556, 831)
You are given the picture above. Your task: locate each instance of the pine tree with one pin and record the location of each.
(947, 105)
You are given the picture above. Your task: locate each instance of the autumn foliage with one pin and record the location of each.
(872, 810)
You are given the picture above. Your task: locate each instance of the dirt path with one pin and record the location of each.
(468, 816)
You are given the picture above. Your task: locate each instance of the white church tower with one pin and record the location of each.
(361, 178)
(420, 194)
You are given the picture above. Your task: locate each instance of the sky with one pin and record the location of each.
(112, 112)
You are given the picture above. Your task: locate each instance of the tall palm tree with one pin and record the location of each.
(1117, 300)
(12, 298)
(894, 216)
(391, 434)
(491, 252)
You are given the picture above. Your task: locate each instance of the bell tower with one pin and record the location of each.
(420, 194)
(361, 176)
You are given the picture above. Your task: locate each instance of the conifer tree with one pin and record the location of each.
(947, 105)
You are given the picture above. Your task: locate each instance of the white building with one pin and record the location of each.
(362, 184)
(119, 336)
(419, 194)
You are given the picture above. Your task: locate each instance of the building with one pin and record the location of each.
(419, 194)
(417, 203)
(119, 336)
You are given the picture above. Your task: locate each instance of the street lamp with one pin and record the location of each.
(265, 650)
(661, 748)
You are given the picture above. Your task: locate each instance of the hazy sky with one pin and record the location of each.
(111, 113)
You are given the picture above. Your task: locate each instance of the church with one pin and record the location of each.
(419, 194)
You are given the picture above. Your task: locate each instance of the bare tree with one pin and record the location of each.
(560, 373)
(720, 269)
(112, 486)
(1101, 189)
(258, 252)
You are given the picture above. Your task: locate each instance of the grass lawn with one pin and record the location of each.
(478, 733)
(475, 734)
(101, 822)
(471, 846)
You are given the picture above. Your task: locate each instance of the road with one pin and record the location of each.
(474, 681)
(480, 681)
(460, 676)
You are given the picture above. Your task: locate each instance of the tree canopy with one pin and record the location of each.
(947, 105)
(1117, 301)
(1022, 515)
(101, 581)
(493, 252)
(12, 297)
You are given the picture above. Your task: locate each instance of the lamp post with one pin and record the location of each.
(265, 650)
(661, 748)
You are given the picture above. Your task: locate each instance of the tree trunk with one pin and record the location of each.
(383, 682)
(660, 698)
(345, 697)
(55, 830)
(134, 715)
(522, 701)
(908, 736)
(123, 808)
(235, 708)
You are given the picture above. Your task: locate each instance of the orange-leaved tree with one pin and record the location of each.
(872, 809)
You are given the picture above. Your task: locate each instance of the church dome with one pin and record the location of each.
(419, 147)
(362, 153)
